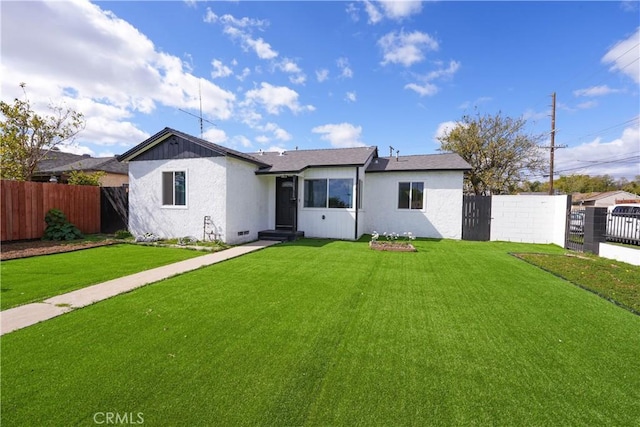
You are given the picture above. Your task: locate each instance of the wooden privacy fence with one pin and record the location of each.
(24, 205)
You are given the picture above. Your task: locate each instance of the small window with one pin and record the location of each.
(328, 193)
(411, 195)
(174, 189)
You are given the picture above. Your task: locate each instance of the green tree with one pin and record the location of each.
(27, 137)
(85, 178)
(498, 149)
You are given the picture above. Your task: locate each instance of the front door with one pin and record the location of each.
(286, 203)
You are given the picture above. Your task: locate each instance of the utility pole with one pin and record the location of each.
(553, 141)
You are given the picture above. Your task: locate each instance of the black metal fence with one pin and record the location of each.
(575, 235)
(623, 225)
(587, 228)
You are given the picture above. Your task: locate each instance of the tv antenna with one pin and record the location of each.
(199, 117)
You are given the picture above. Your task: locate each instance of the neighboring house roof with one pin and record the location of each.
(446, 161)
(592, 197)
(55, 159)
(106, 164)
(606, 194)
(298, 160)
(168, 132)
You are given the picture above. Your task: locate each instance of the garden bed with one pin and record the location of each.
(392, 246)
(25, 249)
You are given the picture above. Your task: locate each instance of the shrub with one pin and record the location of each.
(59, 228)
(83, 178)
(123, 234)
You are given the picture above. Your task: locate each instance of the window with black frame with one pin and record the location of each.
(336, 193)
(411, 195)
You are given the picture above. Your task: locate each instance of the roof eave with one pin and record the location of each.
(419, 170)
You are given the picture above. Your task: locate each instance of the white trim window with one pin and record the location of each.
(328, 193)
(174, 188)
(411, 195)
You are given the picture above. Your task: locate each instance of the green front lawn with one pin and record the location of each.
(333, 333)
(35, 279)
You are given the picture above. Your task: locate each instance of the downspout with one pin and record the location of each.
(356, 202)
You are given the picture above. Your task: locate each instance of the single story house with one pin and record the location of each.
(603, 199)
(57, 165)
(180, 185)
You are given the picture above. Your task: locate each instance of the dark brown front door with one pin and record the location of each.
(286, 203)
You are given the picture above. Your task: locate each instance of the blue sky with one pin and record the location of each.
(280, 75)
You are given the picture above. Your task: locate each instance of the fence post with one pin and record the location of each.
(595, 228)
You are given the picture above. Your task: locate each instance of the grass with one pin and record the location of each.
(37, 278)
(333, 333)
(613, 280)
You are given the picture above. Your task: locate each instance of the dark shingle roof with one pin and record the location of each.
(55, 158)
(448, 161)
(106, 164)
(298, 160)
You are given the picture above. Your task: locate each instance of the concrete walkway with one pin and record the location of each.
(30, 314)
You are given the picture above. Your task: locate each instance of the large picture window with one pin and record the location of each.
(411, 195)
(328, 193)
(174, 189)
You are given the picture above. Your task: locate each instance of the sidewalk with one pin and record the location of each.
(30, 314)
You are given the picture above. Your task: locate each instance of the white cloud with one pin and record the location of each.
(215, 135)
(405, 48)
(426, 87)
(262, 139)
(322, 75)
(290, 67)
(240, 29)
(586, 105)
(345, 69)
(230, 20)
(600, 157)
(77, 149)
(624, 56)
(219, 69)
(443, 129)
(396, 10)
(262, 48)
(595, 91)
(245, 73)
(341, 135)
(352, 11)
(275, 98)
(351, 97)
(100, 63)
(375, 15)
(277, 132)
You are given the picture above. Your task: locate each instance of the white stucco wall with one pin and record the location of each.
(206, 188)
(440, 218)
(246, 201)
(337, 223)
(620, 253)
(529, 219)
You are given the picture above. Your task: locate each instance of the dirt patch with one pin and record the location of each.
(13, 250)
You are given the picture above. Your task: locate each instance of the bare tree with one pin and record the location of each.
(498, 149)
